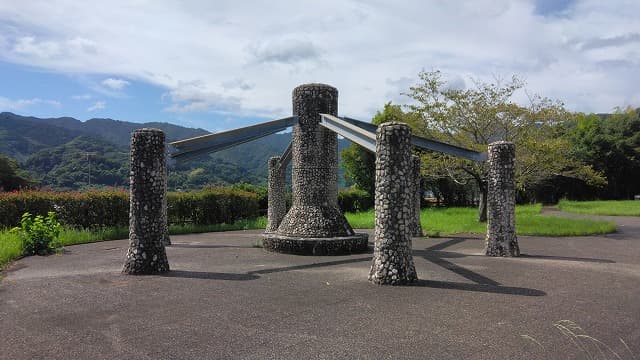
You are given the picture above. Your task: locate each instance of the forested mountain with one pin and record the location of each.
(66, 153)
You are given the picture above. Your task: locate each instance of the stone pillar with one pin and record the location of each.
(277, 207)
(314, 225)
(416, 190)
(392, 260)
(147, 222)
(501, 201)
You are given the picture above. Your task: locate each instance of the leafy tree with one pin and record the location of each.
(359, 163)
(11, 176)
(611, 145)
(477, 116)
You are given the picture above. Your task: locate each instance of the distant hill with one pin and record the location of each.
(55, 151)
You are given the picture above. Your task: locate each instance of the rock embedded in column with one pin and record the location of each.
(501, 237)
(277, 206)
(392, 262)
(147, 220)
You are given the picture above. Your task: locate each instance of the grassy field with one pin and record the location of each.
(11, 247)
(446, 221)
(435, 222)
(608, 207)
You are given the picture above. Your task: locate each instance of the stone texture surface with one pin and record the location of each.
(415, 226)
(314, 212)
(501, 237)
(346, 245)
(147, 215)
(392, 262)
(277, 207)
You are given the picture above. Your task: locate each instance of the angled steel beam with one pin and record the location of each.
(356, 134)
(285, 158)
(427, 144)
(197, 146)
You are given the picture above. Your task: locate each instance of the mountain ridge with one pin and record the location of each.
(59, 153)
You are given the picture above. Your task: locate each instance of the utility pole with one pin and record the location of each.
(88, 154)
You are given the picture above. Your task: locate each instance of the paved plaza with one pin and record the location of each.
(226, 298)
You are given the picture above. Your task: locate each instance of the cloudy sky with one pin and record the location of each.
(224, 64)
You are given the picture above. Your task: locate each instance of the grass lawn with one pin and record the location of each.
(446, 221)
(608, 207)
(11, 247)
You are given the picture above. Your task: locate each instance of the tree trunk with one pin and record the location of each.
(482, 206)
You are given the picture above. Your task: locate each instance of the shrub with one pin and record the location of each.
(354, 200)
(213, 205)
(39, 235)
(109, 208)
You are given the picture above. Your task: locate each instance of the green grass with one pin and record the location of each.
(446, 221)
(11, 247)
(608, 207)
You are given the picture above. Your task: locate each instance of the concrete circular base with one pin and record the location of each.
(345, 245)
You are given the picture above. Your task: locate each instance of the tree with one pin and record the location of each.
(359, 164)
(477, 116)
(611, 145)
(11, 176)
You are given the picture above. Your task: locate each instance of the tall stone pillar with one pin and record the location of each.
(416, 190)
(501, 201)
(392, 262)
(277, 207)
(147, 220)
(314, 225)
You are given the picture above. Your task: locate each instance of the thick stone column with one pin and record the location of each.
(147, 220)
(392, 260)
(416, 190)
(501, 201)
(314, 225)
(277, 207)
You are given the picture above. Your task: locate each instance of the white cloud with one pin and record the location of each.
(29, 46)
(82, 97)
(246, 57)
(115, 84)
(7, 104)
(98, 105)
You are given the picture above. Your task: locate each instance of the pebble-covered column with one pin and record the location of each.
(146, 254)
(277, 206)
(392, 260)
(501, 201)
(416, 190)
(314, 211)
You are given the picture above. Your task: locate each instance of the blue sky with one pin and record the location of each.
(225, 64)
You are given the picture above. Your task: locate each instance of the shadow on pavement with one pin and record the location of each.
(567, 258)
(508, 290)
(206, 246)
(309, 266)
(209, 275)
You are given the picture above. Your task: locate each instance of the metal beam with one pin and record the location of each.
(205, 144)
(427, 144)
(285, 158)
(356, 134)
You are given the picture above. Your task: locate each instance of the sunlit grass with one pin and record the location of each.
(447, 221)
(11, 246)
(605, 207)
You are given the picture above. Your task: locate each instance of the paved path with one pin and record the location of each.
(227, 299)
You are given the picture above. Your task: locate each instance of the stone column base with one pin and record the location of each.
(344, 245)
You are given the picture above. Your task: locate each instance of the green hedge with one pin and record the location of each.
(78, 209)
(354, 200)
(111, 207)
(212, 206)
